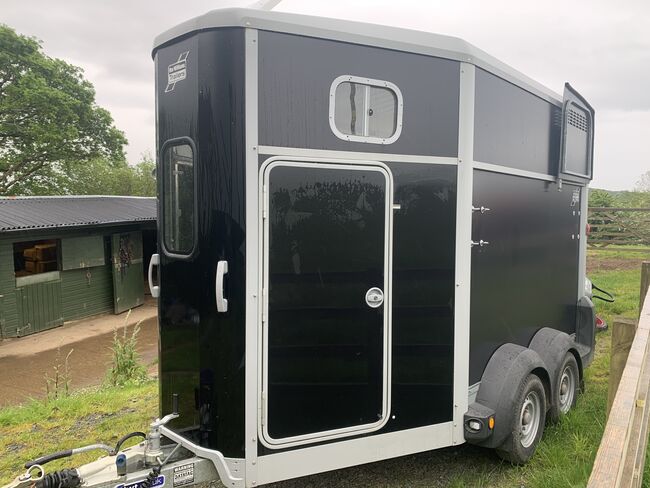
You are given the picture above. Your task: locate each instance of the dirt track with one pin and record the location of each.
(24, 362)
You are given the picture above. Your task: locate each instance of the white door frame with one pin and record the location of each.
(265, 172)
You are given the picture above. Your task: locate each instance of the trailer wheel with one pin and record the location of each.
(566, 388)
(528, 418)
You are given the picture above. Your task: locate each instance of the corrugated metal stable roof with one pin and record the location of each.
(28, 213)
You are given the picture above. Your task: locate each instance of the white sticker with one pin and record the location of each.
(184, 474)
(575, 198)
(177, 71)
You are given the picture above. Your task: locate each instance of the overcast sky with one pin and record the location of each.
(601, 47)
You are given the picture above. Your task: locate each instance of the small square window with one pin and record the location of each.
(36, 257)
(365, 110)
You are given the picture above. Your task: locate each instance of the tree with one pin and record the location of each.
(600, 198)
(49, 121)
(644, 182)
(99, 178)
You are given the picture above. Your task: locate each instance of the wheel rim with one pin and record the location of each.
(529, 418)
(567, 389)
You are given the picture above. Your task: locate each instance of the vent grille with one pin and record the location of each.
(578, 120)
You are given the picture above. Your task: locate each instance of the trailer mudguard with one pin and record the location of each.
(552, 346)
(585, 332)
(507, 368)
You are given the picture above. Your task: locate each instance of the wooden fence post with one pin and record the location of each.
(645, 283)
(623, 331)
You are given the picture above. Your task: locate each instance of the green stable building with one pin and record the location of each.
(65, 258)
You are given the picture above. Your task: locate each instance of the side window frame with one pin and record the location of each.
(369, 82)
(177, 141)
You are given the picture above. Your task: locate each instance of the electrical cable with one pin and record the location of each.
(610, 298)
(126, 438)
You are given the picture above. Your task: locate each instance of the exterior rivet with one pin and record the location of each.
(254, 439)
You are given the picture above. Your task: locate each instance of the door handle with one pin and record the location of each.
(154, 261)
(222, 303)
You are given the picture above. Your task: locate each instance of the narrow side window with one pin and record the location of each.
(178, 198)
(365, 110)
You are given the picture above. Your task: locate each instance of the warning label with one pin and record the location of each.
(184, 475)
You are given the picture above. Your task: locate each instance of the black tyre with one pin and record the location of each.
(528, 418)
(566, 387)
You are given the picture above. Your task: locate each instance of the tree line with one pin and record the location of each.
(54, 138)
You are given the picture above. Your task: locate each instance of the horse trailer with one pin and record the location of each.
(372, 243)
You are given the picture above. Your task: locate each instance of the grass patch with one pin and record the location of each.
(85, 417)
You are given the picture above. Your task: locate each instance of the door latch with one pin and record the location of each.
(480, 243)
(481, 209)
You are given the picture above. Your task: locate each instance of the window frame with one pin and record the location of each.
(43, 276)
(368, 82)
(568, 104)
(168, 144)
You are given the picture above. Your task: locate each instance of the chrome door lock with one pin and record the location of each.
(480, 243)
(374, 297)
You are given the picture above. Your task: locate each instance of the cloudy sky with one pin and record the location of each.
(601, 47)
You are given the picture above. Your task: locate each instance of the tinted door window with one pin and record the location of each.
(178, 198)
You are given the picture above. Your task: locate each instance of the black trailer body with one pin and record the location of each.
(369, 237)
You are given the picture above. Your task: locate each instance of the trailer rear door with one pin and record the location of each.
(326, 288)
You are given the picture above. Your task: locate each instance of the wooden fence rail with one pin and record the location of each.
(621, 456)
(615, 225)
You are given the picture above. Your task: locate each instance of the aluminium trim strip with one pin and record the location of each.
(253, 269)
(582, 243)
(353, 155)
(463, 265)
(497, 168)
(352, 452)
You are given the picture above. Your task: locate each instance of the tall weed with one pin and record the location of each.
(126, 367)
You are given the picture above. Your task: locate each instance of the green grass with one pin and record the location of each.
(87, 417)
(563, 459)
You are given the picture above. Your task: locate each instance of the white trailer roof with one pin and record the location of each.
(358, 33)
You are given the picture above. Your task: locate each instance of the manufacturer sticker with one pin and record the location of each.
(159, 481)
(177, 71)
(184, 475)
